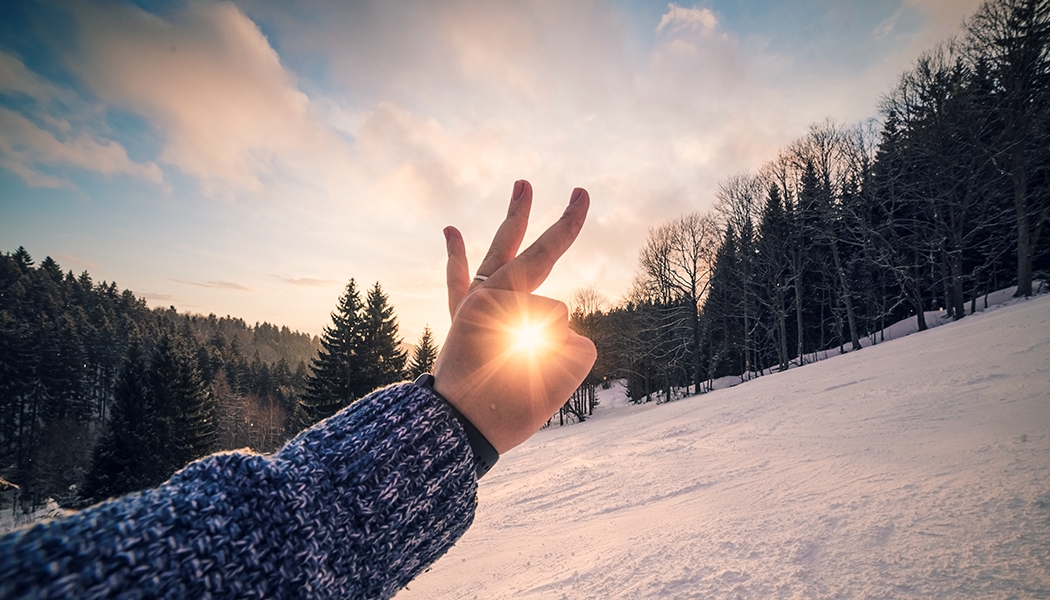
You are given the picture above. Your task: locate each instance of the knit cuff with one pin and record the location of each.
(387, 487)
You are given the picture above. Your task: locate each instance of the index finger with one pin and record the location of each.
(526, 272)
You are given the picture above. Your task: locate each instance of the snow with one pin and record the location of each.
(11, 518)
(916, 468)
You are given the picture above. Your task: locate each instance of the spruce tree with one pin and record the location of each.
(384, 360)
(423, 356)
(122, 459)
(337, 373)
(186, 417)
(162, 420)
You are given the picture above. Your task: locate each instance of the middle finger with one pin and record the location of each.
(508, 237)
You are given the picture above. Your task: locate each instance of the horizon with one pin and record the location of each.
(249, 159)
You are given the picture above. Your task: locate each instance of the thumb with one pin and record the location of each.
(571, 365)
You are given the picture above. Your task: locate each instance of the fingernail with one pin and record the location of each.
(446, 231)
(577, 193)
(519, 187)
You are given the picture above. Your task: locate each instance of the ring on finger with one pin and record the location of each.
(480, 278)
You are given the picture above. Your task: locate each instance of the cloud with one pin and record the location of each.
(44, 135)
(229, 112)
(309, 281)
(222, 285)
(696, 19)
(25, 148)
(15, 78)
(943, 17)
(160, 297)
(76, 260)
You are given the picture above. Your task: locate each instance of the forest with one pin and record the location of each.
(101, 395)
(940, 200)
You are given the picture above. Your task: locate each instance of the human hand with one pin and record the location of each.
(506, 385)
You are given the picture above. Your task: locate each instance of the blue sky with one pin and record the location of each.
(248, 158)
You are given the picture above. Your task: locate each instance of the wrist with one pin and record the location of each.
(484, 453)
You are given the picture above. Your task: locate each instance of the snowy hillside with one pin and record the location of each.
(918, 468)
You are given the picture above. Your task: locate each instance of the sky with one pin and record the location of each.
(249, 158)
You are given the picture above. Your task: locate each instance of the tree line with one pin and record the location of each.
(101, 395)
(848, 229)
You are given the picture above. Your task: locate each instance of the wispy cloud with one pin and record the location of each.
(76, 260)
(56, 131)
(308, 281)
(159, 297)
(222, 285)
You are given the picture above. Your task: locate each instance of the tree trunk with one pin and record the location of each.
(798, 318)
(845, 296)
(955, 269)
(782, 348)
(1024, 248)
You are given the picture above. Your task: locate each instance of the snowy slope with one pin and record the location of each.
(918, 468)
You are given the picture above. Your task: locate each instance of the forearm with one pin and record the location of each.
(353, 507)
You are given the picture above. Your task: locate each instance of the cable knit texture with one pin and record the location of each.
(354, 507)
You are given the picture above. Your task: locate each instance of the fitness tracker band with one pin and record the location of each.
(485, 455)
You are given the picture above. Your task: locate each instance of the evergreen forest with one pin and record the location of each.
(101, 395)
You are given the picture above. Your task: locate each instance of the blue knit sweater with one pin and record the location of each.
(354, 507)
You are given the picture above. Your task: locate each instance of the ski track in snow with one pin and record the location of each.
(917, 468)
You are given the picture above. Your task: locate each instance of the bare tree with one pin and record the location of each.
(675, 271)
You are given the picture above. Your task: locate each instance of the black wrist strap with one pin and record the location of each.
(485, 455)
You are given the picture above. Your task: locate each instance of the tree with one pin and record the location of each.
(739, 200)
(337, 375)
(676, 264)
(123, 459)
(771, 266)
(162, 420)
(424, 355)
(381, 353)
(186, 427)
(1013, 36)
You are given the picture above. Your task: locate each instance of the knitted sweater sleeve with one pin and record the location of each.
(354, 507)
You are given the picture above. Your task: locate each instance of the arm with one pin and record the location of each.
(357, 505)
(354, 507)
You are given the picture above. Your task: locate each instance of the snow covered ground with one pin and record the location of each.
(918, 468)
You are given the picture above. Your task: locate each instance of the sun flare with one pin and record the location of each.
(529, 337)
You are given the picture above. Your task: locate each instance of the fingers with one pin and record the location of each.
(508, 237)
(526, 272)
(457, 275)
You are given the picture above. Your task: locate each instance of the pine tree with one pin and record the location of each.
(184, 411)
(337, 373)
(423, 356)
(383, 358)
(122, 459)
(162, 420)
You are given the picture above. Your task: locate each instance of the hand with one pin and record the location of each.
(506, 387)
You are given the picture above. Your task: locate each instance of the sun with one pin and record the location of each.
(529, 336)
